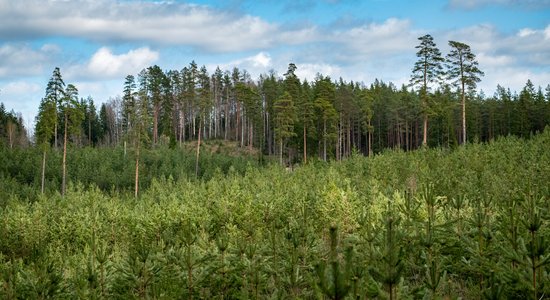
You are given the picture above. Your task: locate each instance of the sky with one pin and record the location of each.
(96, 43)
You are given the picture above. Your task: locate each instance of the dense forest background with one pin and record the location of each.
(172, 107)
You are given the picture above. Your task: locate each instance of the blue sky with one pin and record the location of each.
(96, 43)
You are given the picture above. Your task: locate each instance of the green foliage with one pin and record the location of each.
(469, 223)
(335, 283)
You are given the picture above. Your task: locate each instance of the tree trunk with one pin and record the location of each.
(155, 124)
(55, 133)
(250, 137)
(198, 153)
(63, 180)
(281, 151)
(181, 127)
(136, 185)
(238, 123)
(226, 116)
(11, 133)
(425, 133)
(463, 115)
(89, 132)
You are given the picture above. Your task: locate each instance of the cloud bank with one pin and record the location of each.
(476, 4)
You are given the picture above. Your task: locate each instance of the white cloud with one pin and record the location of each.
(262, 59)
(385, 39)
(474, 4)
(21, 60)
(254, 65)
(168, 23)
(489, 60)
(528, 47)
(104, 64)
(20, 88)
(23, 97)
(100, 91)
(508, 59)
(310, 70)
(50, 49)
(513, 78)
(481, 37)
(525, 32)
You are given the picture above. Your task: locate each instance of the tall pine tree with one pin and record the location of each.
(463, 71)
(428, 69)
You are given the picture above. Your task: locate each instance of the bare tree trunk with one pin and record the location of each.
(155, 124)
(349, 138)
(226, 115)
(198, 153)
(55, 133)
(181, 127)
(89, 132)
(238, 123)
(425, 133)
(250, 136)
(136, 183)
(11, 133)
(338, 142)
(268, 135)
(243, 129)
(463, 115)
(370, 143)
(63, 180)
(281, 151)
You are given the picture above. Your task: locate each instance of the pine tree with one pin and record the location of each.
(428, 69)
(46, 120)
(388, 269)
(335, 283)
(203, 107)
(462, 68)
(55, 92)
(128, 102)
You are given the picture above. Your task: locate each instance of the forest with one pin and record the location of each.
(219, 186)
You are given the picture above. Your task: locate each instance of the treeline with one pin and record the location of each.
(292, 117)
(324, 118)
